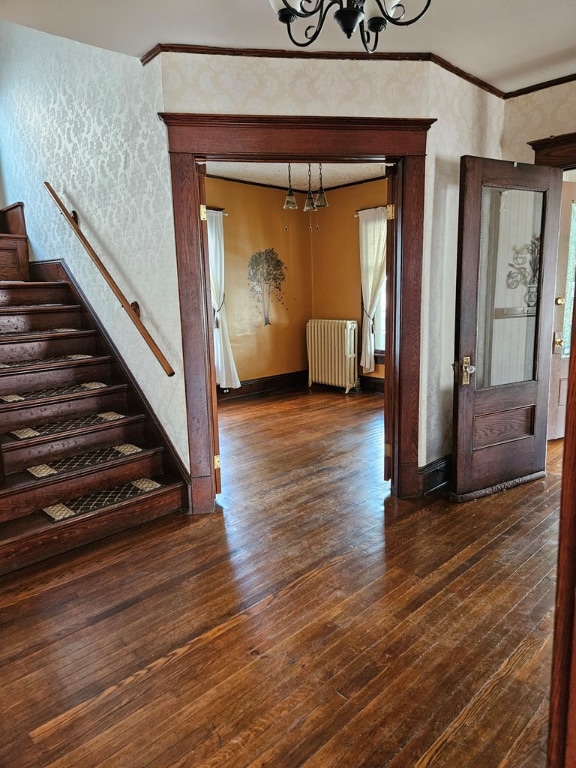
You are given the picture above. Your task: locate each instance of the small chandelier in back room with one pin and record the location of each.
(312, 203)
(370, 16)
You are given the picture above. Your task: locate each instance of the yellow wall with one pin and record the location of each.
(336, 291)
(256, 220)
(320, 251)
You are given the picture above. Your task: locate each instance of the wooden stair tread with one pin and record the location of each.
(23, 336)
(28, 309)
(49, 362)
(37, 432)
(38, 521)
(100, 500)
(87, 387)
(76, 465)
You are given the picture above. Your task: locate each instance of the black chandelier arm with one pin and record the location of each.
(312, 32)
(312, 12)
(369, 39)
(399, 22)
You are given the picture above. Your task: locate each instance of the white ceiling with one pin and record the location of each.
(509, 44)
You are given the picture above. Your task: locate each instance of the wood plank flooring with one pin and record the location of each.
(314, 622)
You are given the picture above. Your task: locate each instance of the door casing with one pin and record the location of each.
(195, 139)
(560, 152)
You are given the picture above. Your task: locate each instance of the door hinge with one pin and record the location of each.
(217, 461)
(203, 213)
(388, 450)
(391, 211)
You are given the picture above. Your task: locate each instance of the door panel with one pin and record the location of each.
(505, 292)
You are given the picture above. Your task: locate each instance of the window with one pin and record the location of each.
(380, 321)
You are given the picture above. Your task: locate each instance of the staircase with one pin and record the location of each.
(80, 455)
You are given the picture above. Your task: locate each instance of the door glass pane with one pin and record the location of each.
(569, 294)
(508, 283)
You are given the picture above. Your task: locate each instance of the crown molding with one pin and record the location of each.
(269, 53)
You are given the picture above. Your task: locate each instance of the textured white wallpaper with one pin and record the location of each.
(256, 86)
(86, 121)
(550, 112)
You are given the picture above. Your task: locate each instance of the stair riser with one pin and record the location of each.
(17, 415)
(32, 380)
(50, 491)
(23, 349)
(26, 294)
(27, 453)
(66, 535)
(41, 320)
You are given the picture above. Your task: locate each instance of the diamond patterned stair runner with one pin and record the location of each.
(100, 499)
(68, 390)
(42, 331)
(89, 459)
(66, 426)
(47, 361)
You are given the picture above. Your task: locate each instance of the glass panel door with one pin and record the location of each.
(508, 286)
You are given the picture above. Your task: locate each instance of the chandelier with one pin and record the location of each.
(312, 203)
(370, 16)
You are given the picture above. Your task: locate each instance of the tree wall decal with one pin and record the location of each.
(266, 275)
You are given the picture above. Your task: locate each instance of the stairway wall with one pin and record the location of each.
(96, 137)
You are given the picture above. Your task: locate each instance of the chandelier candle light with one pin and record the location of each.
(320, 201)
(309, 205)
(290, 203)
(370, 16)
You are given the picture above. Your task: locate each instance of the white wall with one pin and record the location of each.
(550, 112)
(86, 120)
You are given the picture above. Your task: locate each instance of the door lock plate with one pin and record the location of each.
(467, 369)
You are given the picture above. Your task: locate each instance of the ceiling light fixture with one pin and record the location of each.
(290, 203)
(309, 205)
(320, 201)
(370, 16)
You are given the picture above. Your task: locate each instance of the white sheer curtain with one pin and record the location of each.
(372, 273)
(226, 374)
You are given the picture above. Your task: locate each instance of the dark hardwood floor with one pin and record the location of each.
(314, 622)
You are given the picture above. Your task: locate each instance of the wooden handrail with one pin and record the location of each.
(111, 282)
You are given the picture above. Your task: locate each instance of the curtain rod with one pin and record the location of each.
(217, 210)
(372, 207)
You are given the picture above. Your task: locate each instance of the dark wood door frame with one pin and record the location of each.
(194, 139)
(560, 152)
